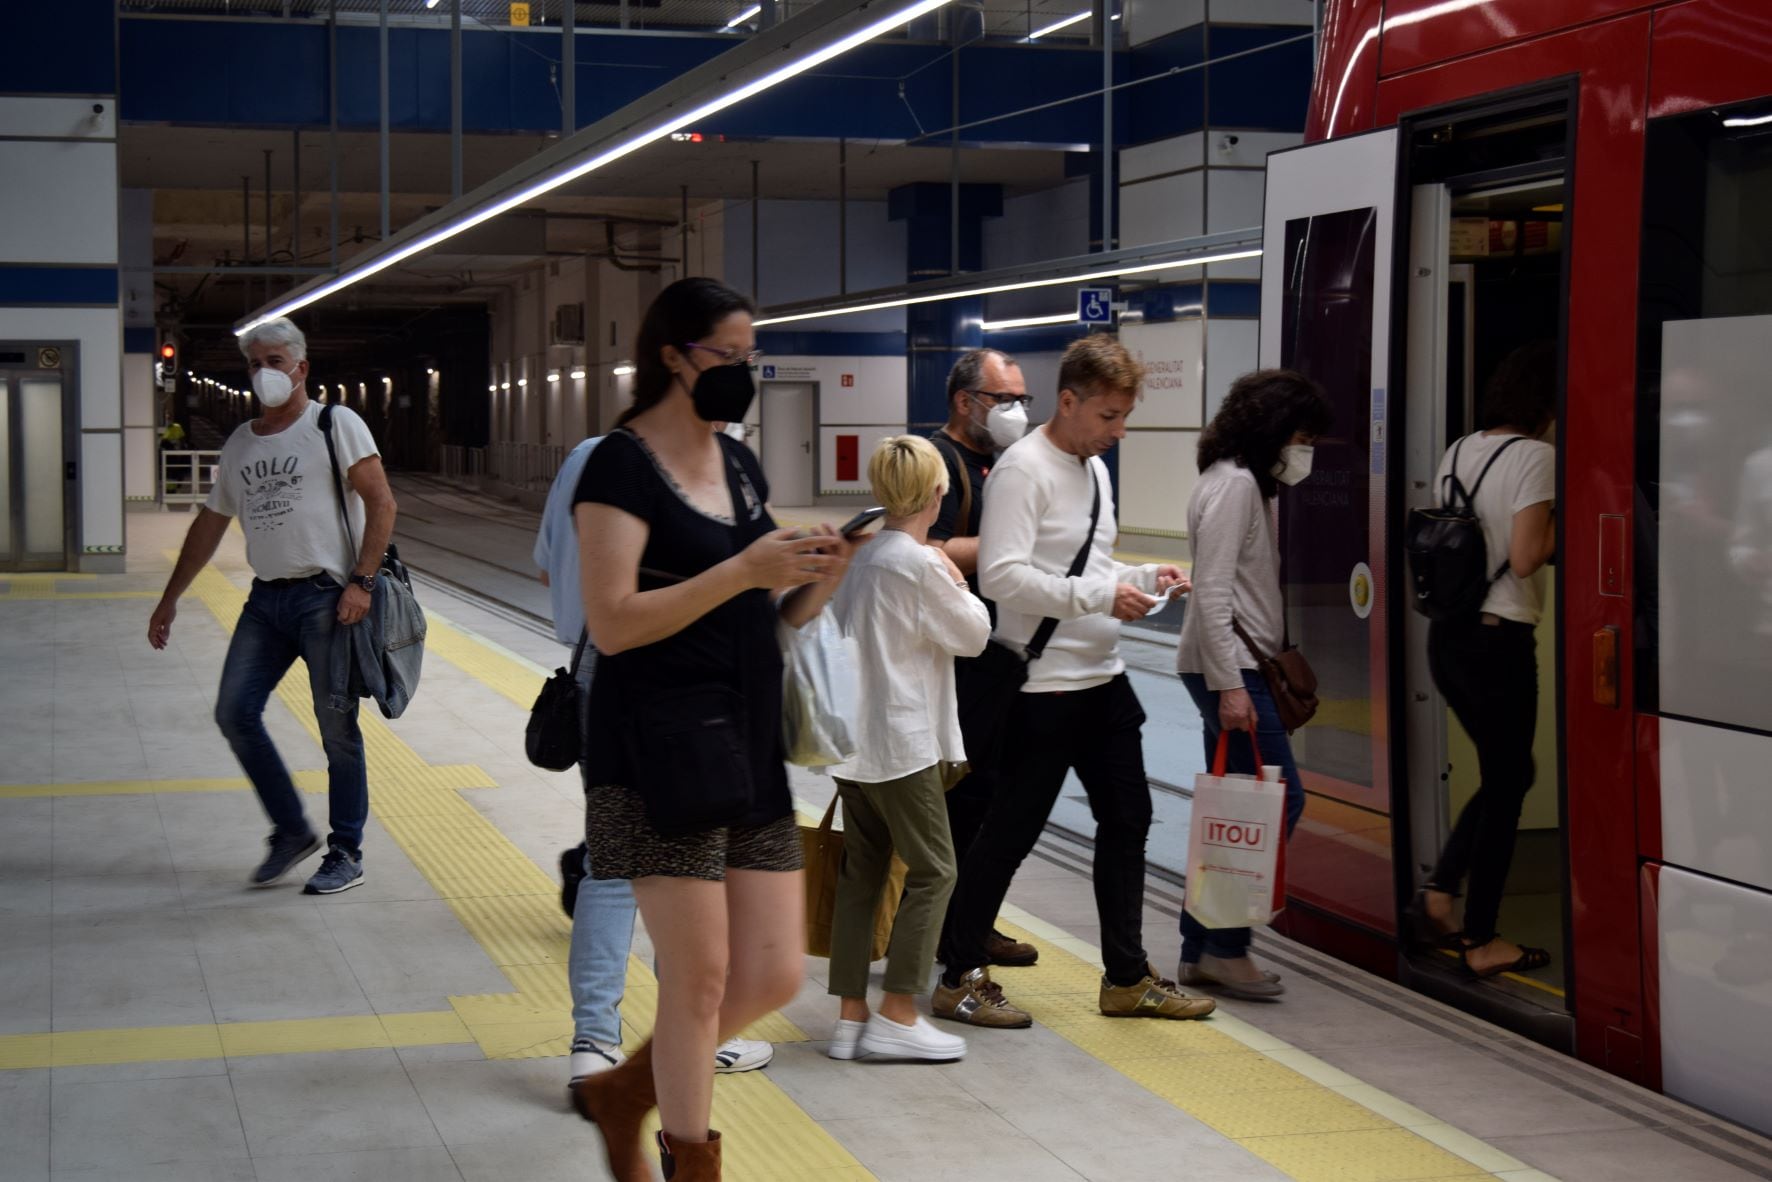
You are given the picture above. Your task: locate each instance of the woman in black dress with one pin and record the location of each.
(685, 576)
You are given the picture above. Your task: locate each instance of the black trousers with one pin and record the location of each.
(1099, 733)
(984, 713)
(1488, 674)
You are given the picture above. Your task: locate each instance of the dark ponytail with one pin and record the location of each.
(686, 311)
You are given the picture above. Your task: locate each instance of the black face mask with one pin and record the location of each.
(723, 393)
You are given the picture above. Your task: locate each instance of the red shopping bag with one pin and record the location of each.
(1236, 846)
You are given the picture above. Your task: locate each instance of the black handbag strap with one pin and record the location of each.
(1042, 636)
(338, 484)
(578, 651)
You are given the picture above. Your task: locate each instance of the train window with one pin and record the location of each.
(1704, 460)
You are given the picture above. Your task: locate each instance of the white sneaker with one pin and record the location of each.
(590, 1057)
(742, 1054)
(922, 1040)
(844, 1037)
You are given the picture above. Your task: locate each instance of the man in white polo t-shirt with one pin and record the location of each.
(275, 476)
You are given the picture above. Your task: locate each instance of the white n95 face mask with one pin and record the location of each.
(1006, 424)
(1294, 463)
(736, 431)
(272, 386)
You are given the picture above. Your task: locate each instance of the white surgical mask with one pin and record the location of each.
(272, 386)
(1294, 463)
(1006, 424)
(736, 431)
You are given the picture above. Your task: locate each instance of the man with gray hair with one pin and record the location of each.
(276, 476)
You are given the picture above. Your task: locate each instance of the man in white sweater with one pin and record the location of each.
(1039, 561)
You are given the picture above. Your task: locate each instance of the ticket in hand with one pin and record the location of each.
(1165, 599)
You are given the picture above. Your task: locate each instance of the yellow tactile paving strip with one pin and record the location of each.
(1308, 1119)
(44, 586)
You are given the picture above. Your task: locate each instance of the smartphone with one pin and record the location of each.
(861, 521)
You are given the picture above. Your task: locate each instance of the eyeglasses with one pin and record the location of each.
(1005, 398)
(729, 356)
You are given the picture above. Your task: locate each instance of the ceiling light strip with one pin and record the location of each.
(1055, 26)
(1078, 271)
(449, 225)
(1028, 322)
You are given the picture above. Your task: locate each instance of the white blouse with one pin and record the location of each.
(909, 620)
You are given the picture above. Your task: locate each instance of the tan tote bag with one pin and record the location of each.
(823, 849)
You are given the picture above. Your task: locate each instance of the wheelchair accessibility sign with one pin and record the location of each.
(1095, 305)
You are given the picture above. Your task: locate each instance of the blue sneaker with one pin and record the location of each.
(286, 851)
(340, 870)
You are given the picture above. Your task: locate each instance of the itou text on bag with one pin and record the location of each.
(1236, 846)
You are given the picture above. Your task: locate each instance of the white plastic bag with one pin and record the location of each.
(820, 692)
(1236, 845)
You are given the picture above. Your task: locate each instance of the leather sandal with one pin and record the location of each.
(1425, 931)
(617, 1101)
(1529, 959)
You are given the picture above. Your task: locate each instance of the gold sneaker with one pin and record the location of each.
(978, 1001)
(1153, 997)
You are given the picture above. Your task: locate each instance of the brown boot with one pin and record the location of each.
(617, 1101)
(690, 1161)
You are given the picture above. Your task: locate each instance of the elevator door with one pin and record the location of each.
(34, 479)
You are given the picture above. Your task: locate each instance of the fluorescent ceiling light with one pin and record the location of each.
(492, 389)
(504, 386)
(578, 375)
(994, 289)
(521, 382)
(1055, 26)
(744, 16)
(553, 377)
(1027, 321)
(658, 131)
(622, 371)
(1748, 121)
(430, 3)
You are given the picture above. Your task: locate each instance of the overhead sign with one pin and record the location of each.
(1095, 305)
(519, 14)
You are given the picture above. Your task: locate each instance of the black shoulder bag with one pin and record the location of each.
(1003, 669)
(554, 738)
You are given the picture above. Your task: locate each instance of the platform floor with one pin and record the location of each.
(160, 1021)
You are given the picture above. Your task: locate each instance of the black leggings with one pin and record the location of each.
(1488, 674)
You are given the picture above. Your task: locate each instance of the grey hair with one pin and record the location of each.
(281, 332)
(969, 370)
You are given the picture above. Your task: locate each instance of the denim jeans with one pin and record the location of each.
(602, 932)
(283, 621)
(1276, 748)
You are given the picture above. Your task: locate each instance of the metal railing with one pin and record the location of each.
(525, 465)
(187, 476)
(462, 465)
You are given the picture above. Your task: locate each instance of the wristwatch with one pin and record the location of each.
(367, 582)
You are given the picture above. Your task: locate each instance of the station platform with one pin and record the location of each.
(161, 1022)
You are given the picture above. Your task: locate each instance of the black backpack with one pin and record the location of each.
(1448, 558)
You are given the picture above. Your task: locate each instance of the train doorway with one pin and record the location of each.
(1486, 276)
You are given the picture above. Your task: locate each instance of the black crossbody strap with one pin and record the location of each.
(965, 522)
(578, 651)
(338, 484)
(1043, 634)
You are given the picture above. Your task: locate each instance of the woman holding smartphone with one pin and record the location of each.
(684, 577)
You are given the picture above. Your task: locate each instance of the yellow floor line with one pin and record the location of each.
(493, 666)
(164, 1044)
(1309, 1119)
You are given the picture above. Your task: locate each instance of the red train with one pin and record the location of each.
(1481, 174)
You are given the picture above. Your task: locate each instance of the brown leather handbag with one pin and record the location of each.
(1289, 678)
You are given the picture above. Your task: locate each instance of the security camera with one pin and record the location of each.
(98, 108)
(1226, 143)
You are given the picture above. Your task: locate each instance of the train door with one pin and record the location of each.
(1486, 281)
(1326, 310)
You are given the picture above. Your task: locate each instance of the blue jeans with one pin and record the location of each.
(602, 933)
(1276, 748)
(283, 621)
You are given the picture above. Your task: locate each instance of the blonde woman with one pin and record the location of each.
(910, 613)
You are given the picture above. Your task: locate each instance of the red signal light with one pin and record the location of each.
(168, 352)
